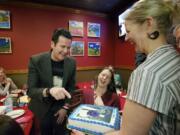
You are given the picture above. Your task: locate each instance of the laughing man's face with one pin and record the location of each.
(61, 49)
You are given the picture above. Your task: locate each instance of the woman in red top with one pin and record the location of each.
(104, 92)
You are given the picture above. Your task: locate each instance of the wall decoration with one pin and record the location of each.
(76, 28)
(4, 19)
(94, 49)
(5, 45)
(93, 29)
(77, 48)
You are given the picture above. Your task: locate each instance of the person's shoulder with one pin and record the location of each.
(39, 55)
(114, 94)
(8, 79)
(70, 59)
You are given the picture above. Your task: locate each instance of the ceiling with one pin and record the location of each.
(109, 7)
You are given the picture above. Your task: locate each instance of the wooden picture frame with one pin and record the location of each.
(5, 19)
(93, 29)
(5, 45)
(77, 48)
(94, 49)
(76, 28)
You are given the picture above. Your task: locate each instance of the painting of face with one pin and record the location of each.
(136, 35)
(104, 78)
(61, 49)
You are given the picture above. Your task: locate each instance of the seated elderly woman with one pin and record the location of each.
(7, 85)
(104, 92)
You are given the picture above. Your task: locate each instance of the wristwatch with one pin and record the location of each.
(48, 92)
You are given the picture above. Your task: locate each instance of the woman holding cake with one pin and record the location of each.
(153, 100)
(104, 92)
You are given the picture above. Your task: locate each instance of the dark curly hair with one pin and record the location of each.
(60, 32)
(111, 86)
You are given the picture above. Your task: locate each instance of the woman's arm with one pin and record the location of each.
(4, 90)
(12, 84)
(137, 119)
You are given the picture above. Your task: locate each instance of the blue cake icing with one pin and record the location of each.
(98, 115)
(85, 130)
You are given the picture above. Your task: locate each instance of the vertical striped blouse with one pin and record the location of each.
(155, 84)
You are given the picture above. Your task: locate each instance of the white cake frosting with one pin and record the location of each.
(94, 119)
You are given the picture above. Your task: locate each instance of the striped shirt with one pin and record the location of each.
(156, 85)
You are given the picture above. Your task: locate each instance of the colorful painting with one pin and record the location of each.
(94, 49)
(95, 113)
(77, 48)
(76, 28)
(93, 29)
(4, 19)
(5, 45)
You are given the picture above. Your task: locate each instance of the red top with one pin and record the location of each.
(109, 98)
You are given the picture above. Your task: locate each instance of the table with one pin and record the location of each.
(26, 120)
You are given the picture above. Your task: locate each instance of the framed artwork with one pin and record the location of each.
(77, 48)
(4, 19)
(5, 45)
(76, 28)
(94, 49)
(93, 29)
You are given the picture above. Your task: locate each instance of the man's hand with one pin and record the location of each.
(61, 115)
(59, 93)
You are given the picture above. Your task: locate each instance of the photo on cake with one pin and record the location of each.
(93, 119)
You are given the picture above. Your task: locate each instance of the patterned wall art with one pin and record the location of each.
(77, 48)
(94, 49)
(5, 19)
(76, 28)
(5, 45)
(93, 29)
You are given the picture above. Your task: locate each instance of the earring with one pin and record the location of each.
(153, 35)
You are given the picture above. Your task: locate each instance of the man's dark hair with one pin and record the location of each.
(60, 32)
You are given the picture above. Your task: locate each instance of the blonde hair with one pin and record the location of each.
(175, 29)
(163, 13)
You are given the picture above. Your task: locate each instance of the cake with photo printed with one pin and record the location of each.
(93, 119)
